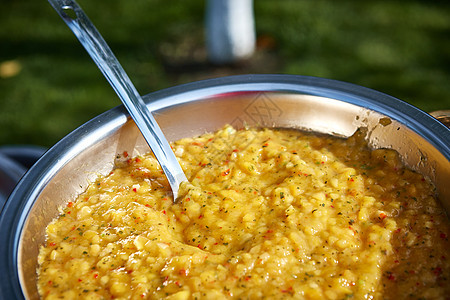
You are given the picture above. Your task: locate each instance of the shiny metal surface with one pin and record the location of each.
(305, 103)
(106, 61)
(442, 116)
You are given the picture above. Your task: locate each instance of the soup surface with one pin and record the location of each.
(267, 214)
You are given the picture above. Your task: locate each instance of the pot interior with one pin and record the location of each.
(92, 150)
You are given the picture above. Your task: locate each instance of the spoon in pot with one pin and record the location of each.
(102, 55)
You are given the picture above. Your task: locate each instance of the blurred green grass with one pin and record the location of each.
(400, 47)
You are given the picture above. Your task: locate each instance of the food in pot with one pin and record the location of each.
(267, 214)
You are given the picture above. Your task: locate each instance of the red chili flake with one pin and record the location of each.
(351, 179)
(331, 206)
(396, 261)
(52, 244)
(50, 282)
(269, 231)
(225, 173)
(80, 280)
(177, 283)
(443, 236)
(69, 212)
(165, 198)
(437, 271)
(130, 271)
(200, 217)
(96, 275)
(236, 150)
(398, 230)
(197, 144)
(247, 278)
(183, 272)
(382, 216)
(164, 212)
(125, 154)
(70, 204)
(412, 272)
(288, 290)
(148, 205)
(199, 246)
(134, 190)
(138, 159)
(391, 277)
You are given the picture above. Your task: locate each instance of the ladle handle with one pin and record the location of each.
(100, 52)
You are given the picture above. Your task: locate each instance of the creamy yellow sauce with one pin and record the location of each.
(268, 214)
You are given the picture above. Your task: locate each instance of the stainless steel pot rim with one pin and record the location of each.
(405, 113)
(16, 209)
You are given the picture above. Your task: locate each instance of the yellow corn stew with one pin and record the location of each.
(272, 214)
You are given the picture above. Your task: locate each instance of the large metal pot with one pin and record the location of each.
(305, 103)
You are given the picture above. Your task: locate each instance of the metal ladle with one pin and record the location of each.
(102, 55)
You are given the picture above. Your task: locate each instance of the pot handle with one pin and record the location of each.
(442, 116)
(14, 163)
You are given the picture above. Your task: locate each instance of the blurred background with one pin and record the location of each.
(49, 85)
